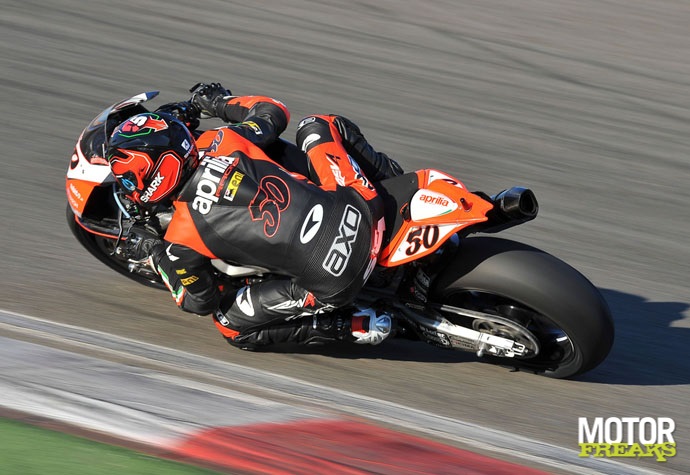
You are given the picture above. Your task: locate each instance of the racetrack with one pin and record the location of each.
(585, 102)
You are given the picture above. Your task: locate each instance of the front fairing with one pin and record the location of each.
(88, 167)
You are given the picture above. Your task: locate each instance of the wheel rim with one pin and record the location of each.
(549, 345)
(506, 328)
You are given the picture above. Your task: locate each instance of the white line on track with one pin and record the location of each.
(305, 399)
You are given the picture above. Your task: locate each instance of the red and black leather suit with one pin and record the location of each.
(321, 235)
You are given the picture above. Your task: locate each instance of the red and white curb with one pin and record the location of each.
(289, 428)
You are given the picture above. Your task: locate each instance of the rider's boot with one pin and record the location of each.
(364, 326)
(377, 166)
(369, 327)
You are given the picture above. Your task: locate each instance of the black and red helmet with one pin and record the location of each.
(150, 155)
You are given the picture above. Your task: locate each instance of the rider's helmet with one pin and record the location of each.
(150, 155)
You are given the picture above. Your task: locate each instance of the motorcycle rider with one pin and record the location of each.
(232, 202)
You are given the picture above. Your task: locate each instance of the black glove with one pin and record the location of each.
(142, 243)
(207, 97)
(184, 111)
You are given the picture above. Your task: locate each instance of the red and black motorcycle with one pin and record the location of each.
(510, 303)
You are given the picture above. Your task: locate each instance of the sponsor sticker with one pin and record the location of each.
(428, 204)
(254, 126)
(75, 192)
(434, 199)
(189, 280)
(207, 186)
(233, 185)
(340, 251)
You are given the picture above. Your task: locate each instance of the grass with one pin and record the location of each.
(29, 450)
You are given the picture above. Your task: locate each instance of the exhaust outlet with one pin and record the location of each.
(513, 206)
(517, 203)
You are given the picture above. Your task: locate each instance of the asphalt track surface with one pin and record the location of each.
(586, 102)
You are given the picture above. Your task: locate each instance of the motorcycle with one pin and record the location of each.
(510, 303)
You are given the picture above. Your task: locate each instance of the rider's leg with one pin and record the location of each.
(329, 139)
(376, 165)
(278, 311)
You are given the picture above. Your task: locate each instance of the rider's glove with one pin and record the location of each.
(208, 97)
(142, 244)
(184, 111)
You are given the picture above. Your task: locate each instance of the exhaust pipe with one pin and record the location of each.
(517, 203)
(513, 206)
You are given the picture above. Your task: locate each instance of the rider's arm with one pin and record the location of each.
(189, 277)
(259, 119)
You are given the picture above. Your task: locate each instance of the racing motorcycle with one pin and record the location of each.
(510, 303)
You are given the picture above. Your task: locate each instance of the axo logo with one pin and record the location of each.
(627, 437)
(339, 254)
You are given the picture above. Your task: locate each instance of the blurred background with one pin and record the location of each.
(586, 102)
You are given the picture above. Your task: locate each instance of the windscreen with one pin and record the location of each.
(94, 138)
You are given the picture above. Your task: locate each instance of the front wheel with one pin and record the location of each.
(102, 248)
(531, 297)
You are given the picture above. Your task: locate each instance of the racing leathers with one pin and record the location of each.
(321, 235)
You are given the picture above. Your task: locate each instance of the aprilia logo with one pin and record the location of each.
(339, 254)
(152, 188)
(207, 188)
(434, 200)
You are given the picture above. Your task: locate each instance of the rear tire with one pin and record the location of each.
(552, 302)
(101, 247)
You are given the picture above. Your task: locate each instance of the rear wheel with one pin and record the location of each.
(531, 297)
(102, 247)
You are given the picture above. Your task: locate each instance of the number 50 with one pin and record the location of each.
(425, 236)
